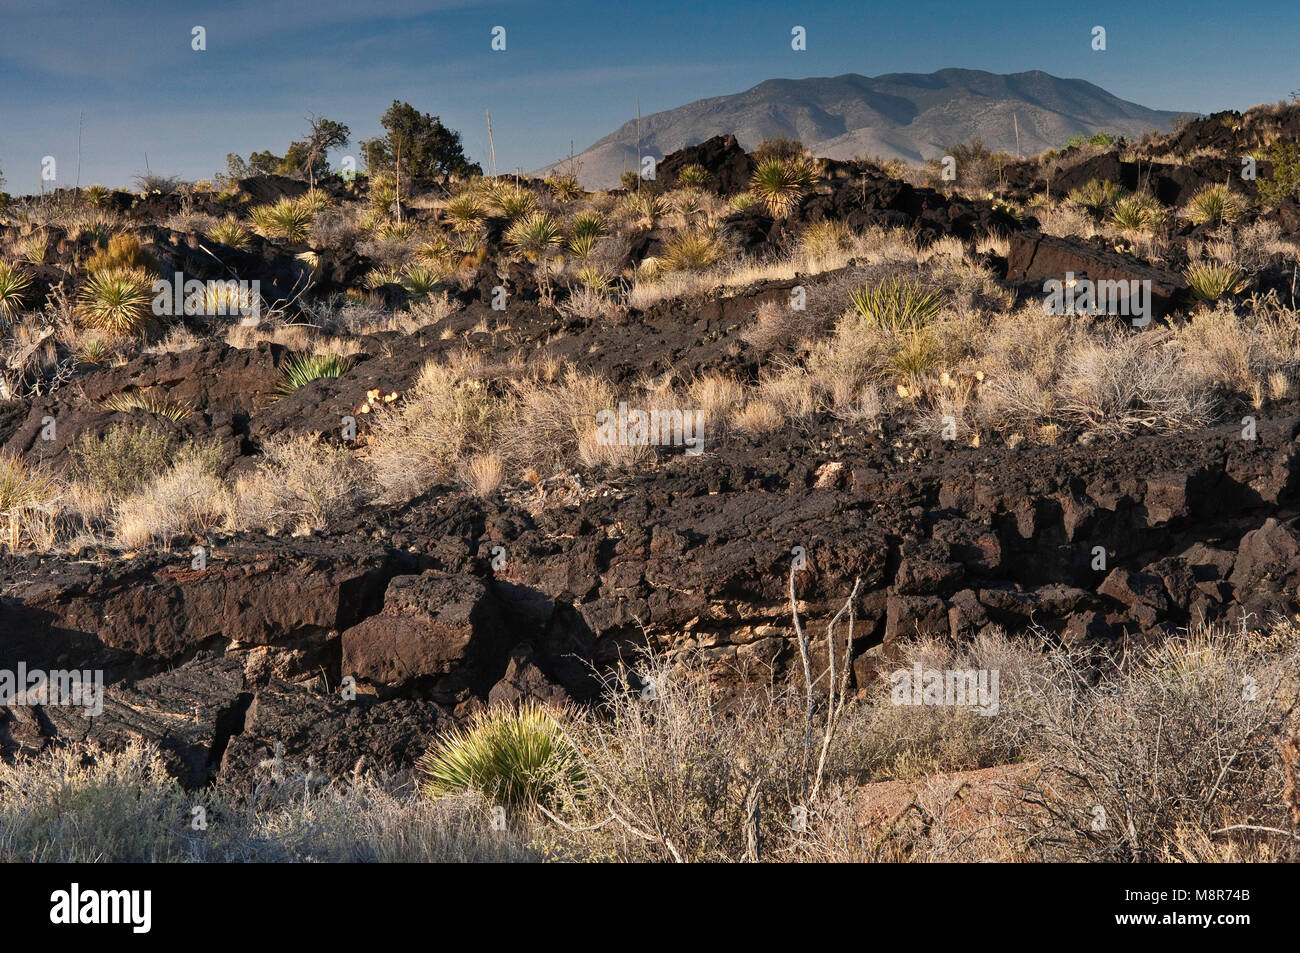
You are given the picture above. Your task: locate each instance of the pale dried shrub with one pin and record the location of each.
(302, 484)
(447, 415)
(717, 396)
(187, 499)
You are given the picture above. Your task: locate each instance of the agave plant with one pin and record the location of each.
(516, 756)
(13, 287)
(1211, 281)
(116, 300)
(899, 305)
(1214, 203)
(534, 235)
(780, 184)
(581, 246)
(305, 368)
(288, 219)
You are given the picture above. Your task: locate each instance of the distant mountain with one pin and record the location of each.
(910, 116)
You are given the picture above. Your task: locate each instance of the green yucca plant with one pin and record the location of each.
(1137, 213)
(1096, 195)
(1211, 281)
(650, 206)
(692, 176)
(780, 184)
(1214, 203)
(420, 280)
(516, 756)
(534, 235)
(231, 232)
(692, 249)
(465, 212)
(13, 287)
(565, 188)
(149, 402)
(588, 224)
(116, 300)
(595, 279)
(288, 219)
(900, 305)
(305, 368)
(32, 248)
(396, 231)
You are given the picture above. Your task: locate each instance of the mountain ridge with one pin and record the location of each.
(909, 116)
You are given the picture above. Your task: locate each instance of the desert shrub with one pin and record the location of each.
(822, 239)
(1158, 759)
(465, 211)
(302, 369)
(13, 289)
(513, 202)
(302, 484)
(116, 301)
(186, 498)
(154, 183)
(1118, 383)
(1214, 203)
(81, 804)
(1137, 213)
(447, 416)
(565, 188)
(517, 757)
(1210, 281)
(1283, 180)
(779, 148)
(121, 460)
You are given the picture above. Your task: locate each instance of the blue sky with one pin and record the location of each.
(571, 70)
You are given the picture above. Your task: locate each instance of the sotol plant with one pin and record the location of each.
(116, 300)
(305, 368)
(900, 305)
(1211, 281)
(288, 219)
(1214, 203)
(780, 184)
(515, 756)
(13, 287)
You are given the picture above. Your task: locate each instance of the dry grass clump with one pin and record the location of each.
(27, 495)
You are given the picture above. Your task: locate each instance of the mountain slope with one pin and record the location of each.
(911, 116)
